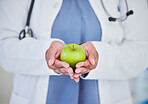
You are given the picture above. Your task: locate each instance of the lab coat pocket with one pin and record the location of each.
(127, 101)
(16, 99)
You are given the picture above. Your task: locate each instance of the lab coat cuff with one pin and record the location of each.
(50, 71)
(84, 75)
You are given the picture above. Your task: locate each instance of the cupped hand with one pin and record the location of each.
(90, 63)
(52, 57)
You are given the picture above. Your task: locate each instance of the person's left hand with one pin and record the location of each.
(89, 64)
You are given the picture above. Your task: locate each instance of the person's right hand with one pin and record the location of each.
(53, 59)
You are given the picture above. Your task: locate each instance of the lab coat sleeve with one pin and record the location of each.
(130, 58)
(26, 56)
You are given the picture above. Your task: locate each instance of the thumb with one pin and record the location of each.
(91, 60)
(51, 54)
(92, 56)
(51, 60)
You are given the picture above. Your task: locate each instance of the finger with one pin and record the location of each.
(66, 70)
(63, 70)
(94, 62)
(51, 55)
(91, 51)
(57, 55)
(83, 70)
(92, 55)
(76, 75)
(56, 48)
(60, 64)
(57, 71)
(56, 66)
(72, 77)
(50, 66)
(77, 79)
(71, 73)
(46, 55)
(86, 47)
(49, 61)
(85, 64)
(66, 73)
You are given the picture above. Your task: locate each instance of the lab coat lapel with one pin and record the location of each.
(46, 16)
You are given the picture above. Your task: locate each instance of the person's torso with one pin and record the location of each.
(33, 89)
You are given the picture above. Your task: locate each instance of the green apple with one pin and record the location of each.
(72, 54)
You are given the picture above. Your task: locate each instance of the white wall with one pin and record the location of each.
(133, 89)
(6, 80)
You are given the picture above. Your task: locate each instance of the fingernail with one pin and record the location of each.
(49, 61)
(77, 80)
(78, 71)
(78, 65)
(76, 76)
(68, 70)
(66, 65)
(70, 74)
(93, 62)
(72, 77)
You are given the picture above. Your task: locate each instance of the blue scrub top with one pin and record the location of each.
(76, 22)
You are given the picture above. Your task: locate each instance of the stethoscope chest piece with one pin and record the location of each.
(25, 33)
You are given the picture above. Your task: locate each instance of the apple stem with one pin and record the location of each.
(73, 48)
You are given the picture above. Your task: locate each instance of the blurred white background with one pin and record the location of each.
(6, 80)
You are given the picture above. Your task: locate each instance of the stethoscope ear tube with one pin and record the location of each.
(121, 18)
(129, 13)
(112, 19)
(28, 32)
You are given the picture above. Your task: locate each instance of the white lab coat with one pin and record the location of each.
(122, 51)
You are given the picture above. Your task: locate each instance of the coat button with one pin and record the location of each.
(56, 5)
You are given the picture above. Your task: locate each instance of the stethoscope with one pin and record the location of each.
(27, 32)
(122, 18)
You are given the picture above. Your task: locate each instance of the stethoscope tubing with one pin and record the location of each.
(29, 13)
(121, 18)
(27, 32)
